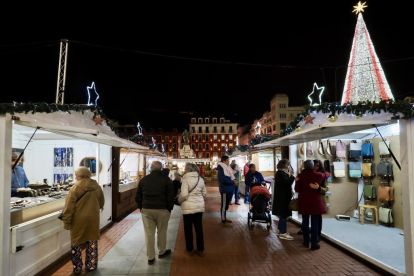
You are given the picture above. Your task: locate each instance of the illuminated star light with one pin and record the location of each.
(360, 7)
(139, 129)
(322, 88)
(89, 94)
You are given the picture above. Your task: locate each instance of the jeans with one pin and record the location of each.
(196, 220)
(314, 229)
(282, 225)
(247, 194)
(236, 193)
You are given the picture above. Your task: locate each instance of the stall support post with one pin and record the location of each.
(407, 181)
(139, 163)
(98, 160)
(145, 165)
(274, 163)
(5, 188)
(116, 153)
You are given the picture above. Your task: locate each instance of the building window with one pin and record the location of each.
(167, 147)
(167, 139)
(193, 120)
(221, 120)
(207, 155)
(207, 120)
(282, 126)
(215, 129)
(214, 137)
(207, 138)
(174, 155)
(193, 129)
(223, 147)
(282, 105)
(200, 130)
(215, 147)
(231, 145)
(200, 138)
(192, 138)
(200, 146)
(223, 137)
(207, 130)
(193, 147)
(174, 139)
(207, 147)
(231, 129)
(274, 127)
(159, 147)
(269, 129)
(200, 155)
(215, 154)
(200, 120)
(158, 138)
(282, 116)
(223, 130)
(222, 154)
(214, 120)
(231, 137)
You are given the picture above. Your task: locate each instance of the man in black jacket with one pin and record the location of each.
(155, 198)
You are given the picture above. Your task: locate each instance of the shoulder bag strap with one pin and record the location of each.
(194, 186)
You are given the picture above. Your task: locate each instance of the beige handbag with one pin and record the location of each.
(302, 149)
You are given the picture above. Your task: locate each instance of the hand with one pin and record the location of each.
(314, 186)
(291, 171)
(297, 179)
(66, 226)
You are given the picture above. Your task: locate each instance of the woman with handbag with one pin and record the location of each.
(191, 199)
(282, 196)
(81, 216)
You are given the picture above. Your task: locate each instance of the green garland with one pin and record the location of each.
(387, 106)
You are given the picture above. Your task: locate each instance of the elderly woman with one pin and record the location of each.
(191, 200)
(237, 177)
(81, 216)
(282, 195)
(310, 201)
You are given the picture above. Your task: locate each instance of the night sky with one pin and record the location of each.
(154, 90)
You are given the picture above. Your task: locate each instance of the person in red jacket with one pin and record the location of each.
(310, 201)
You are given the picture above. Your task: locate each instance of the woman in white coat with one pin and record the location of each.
(191, 199)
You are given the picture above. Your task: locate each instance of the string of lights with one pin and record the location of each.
(28, 49)
(28, 43)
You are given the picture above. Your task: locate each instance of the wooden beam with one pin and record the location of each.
(116, 154)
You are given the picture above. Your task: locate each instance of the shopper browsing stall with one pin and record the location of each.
(19, 179)
(226, 186)
(252, 178)
(237, 175)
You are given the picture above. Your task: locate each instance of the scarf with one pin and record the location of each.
(227, 171)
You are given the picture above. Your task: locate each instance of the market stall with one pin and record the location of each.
(54, 145)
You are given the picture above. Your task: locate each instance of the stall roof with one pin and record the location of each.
(324, 131)
(190, 160)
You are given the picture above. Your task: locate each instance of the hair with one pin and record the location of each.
(308, 164)
(83, 172)
(251, 165)
(156, 166)
(321, 169)
(283, 164)
(233, 166)
(177, 176)
(190, 167)
(165, 171)
(15, 156)
(224, 158)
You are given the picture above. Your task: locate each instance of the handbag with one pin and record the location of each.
(309, 149)
(339, 169)
(320, 149)
(368, 169)
(367, 149)
(294, 204)
(301, 149)
(355, 169)
(385, 216)
(340, 149)
(61, 212)
(355, 149)
(176, 198)
(385, 193)
(369, 192)
(383, 149)
(328, 148)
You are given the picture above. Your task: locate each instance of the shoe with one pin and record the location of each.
(237, 203)
(151, 262)
(230, 203)
(229, 221)
(315, 247)
(286, 236)
(166, 253)
(300, 232)
(277, 232)
(77, 271)
(189, 253)
(199, 253)
(226, 224)
(306, 245)
(319, 239)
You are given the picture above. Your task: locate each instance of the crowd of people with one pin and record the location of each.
(157, 194)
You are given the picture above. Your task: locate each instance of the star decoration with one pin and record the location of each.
(98, 120)
(89, 93)
(360, 7)
(320, 90)
(309, 119)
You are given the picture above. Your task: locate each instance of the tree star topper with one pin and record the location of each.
(309, 119)
(89, 94)
(321, 89)
(360, 7)
(98, 120)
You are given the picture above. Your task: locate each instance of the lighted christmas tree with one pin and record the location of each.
(365, 79)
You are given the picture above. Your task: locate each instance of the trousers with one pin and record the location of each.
(282, 226)
(314, 229)
(225, 201)
(91, 260)
(196, 220)
(155, 219)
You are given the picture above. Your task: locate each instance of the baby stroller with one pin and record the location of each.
(259, 211)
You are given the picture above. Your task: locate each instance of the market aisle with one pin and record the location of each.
(244, 251)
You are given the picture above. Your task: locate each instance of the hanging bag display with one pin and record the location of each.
(309, 149)
(367, 149)
(384, 193)
(320, 149)
(383, 148)
(328, 148)
(327, 166)
(385, 216)
(368, 169)
(355, 149)
(370, 192)
(301, 149)
(340, 149)
(339, 169)
(355, 170)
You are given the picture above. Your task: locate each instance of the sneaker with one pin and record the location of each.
(226, 224)
(166, 253)
(315, 247)
(189, 253)
(151, 262)
(286, 236)
(229, 221)
(306, 245)
(199, 253)
(237, 203)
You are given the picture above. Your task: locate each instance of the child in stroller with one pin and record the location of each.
(259, 199)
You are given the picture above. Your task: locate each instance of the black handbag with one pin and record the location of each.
(61, 212)
(176, 198)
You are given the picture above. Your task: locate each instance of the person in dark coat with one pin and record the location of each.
(252, 178)
(310, 201)
(226, 181)
(282, 196)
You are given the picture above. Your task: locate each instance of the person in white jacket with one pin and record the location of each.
(191, 199)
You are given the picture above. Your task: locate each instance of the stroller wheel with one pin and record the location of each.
(268, 226)
(249, 218)
(252, 224)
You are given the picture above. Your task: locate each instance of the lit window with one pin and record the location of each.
(223, 137)
(207, 146)
(231, 137)
(207, 155)
(200, 146)
(215, 137)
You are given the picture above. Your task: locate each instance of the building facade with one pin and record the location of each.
(211, 135)
(171, 140)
